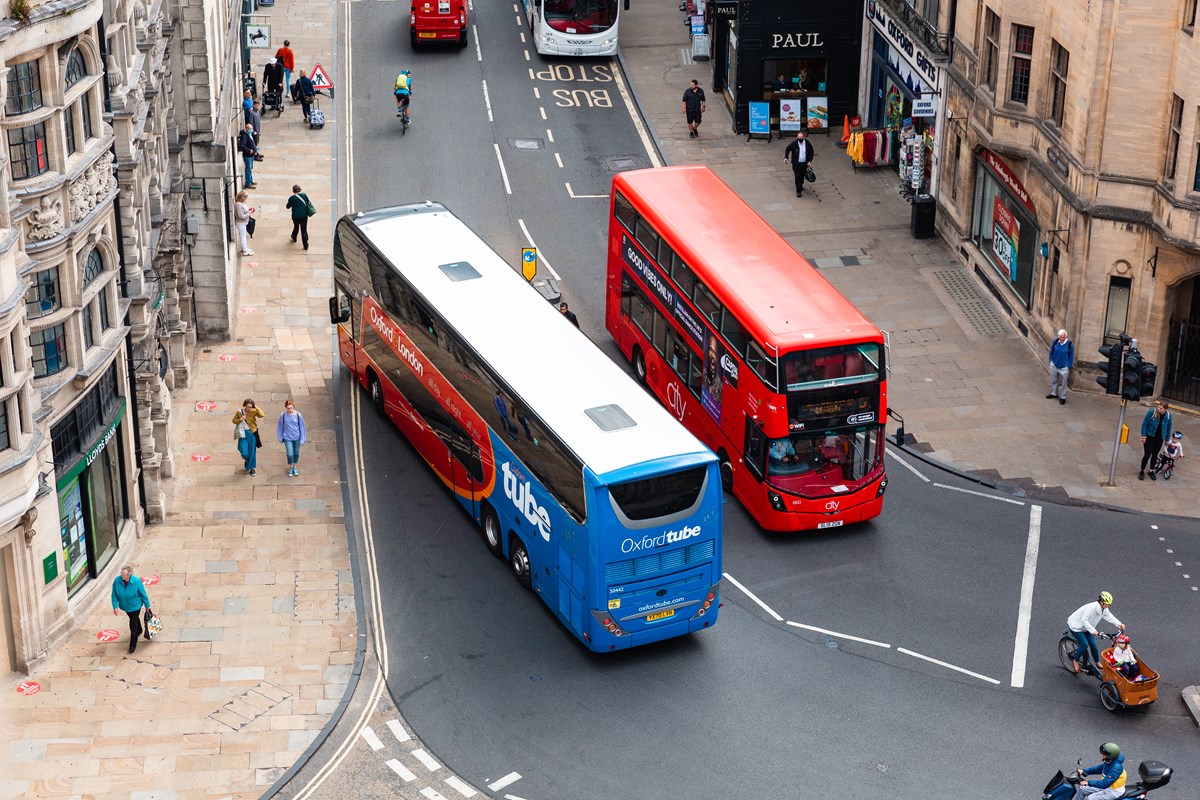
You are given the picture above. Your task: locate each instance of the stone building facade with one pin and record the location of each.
(1070, 173)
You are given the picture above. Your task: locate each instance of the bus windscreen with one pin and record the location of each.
(822, 368)
(660, 496)
(580, 16)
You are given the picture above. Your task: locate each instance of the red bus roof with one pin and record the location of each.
(780, 298)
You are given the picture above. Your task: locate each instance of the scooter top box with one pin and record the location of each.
(1154, 774)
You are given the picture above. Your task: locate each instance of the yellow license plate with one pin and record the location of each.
(670, 612)
(426, 35)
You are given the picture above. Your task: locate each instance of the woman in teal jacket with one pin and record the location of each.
(129, 595)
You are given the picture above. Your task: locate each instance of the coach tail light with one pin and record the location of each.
(710, 600)
(608, 623)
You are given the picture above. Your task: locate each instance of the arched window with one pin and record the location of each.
(76, 68)
(93, 267)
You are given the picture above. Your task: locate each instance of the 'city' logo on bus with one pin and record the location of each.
(675, 400)
(521, 495)
(669, 537)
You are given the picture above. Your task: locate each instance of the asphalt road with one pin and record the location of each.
(902, 681)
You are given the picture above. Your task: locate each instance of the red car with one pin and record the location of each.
(438, 21)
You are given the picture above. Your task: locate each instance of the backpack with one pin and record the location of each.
(402, 83)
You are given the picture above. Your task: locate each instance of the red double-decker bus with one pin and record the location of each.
(750, 347)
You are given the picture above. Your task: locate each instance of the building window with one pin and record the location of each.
(43, 297)
(93, 267)
(27, 151)
(991, 49)
(1059, 60)
(1196, 177)
(1116, 317)
(69, 129)
(103, 299)
(931, 12)
(1189, 15)
(1173, 137)
(89, 335)
(49, 347)
(24, 88)
(85, 108)
(1022, 66)
(76, 68)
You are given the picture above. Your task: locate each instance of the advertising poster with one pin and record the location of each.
(1006, 231)
(760, 118)
(791, 115)
(710, 392)
(818, 113)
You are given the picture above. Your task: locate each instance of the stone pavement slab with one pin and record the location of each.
(971, 392)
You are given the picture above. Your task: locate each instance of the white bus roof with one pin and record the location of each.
(556, 370)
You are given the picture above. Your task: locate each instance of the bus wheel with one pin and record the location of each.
(639, 365)
(726, 471)
(492, 535)
(519, 559)
(376, 392)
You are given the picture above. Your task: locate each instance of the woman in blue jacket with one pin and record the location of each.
(1156, 428)
(129, 595)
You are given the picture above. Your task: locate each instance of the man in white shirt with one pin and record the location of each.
(1083, 627)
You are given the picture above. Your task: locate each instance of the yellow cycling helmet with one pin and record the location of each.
(1106, 598)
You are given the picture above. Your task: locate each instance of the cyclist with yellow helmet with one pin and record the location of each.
(1082, 625)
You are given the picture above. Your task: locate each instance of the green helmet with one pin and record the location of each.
(1106, 598)
(1109, 751)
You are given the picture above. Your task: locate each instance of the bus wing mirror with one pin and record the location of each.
(336, 314)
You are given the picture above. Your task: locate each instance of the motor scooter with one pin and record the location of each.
(1152, 775)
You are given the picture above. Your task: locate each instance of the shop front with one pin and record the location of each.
(801, 57)
(1004, 224)
(89, 470)
(902, 108)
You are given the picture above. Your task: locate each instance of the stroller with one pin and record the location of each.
(1164, 462)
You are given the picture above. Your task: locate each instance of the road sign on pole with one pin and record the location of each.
(320, 79)
(529, 262)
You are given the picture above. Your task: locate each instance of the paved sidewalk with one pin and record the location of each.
(256, 593)
(971, 391)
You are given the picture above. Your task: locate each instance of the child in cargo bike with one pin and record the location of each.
(1124, 660)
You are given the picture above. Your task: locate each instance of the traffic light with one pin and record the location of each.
(1131, 377)
(1111, 380)
(1148, 376)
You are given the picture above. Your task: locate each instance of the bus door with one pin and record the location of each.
(341, 314)
(754, 454)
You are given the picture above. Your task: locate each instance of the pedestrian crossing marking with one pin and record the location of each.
(430, 763)
(398, 730)
(405, 774)
(371, 739)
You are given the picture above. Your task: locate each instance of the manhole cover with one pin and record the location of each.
(622, 163)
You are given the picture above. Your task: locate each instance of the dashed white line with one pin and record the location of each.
(460, 786)
(542, 111)
(907, 465)
(527, 55)
(837, 635)
(541, 259)
(507, 780)
(512, 797)
(1025, 609)
(558, 160)
(537, 93)
(503, 171)
(432, 793)
(475, 36)
(753, 597)
(398, 730)
(401, 770)
(550, 135)
(980, 494)
(429, 761)
(487, 101)
(947, 666)
(371, 739)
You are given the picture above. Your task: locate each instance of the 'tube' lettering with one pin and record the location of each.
(521, 495)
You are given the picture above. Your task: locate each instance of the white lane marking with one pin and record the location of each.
(527, 56)
(460, 786)
(558, 160)
(980, 494)
(837, 635)
(432, 793)
(487, 101)
(503, 172)
(429, 761)
(533, 244)
(537, 93)
(398, 730)
(752, 596)
(550, 135)
(512, 797)
(507, 780)
(405, 774)
(947, 666)
(542, 111)
(522, 37)
(1025, 609)
(906, 465)
(643, 134)
(475, 36)
(371, 739)
(573, 196)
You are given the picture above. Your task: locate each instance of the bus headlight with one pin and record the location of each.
(776, 501)
(882, 486)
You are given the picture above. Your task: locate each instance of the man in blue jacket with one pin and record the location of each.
(129, 595)
(1062, 358)
(1156, 428)
(1110, 783)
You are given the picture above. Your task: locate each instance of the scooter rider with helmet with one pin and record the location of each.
(1082, 625)
(1110, 783)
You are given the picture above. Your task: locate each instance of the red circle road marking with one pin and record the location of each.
(29, 687)
(151, 580)
(108, 635)
(199, 457)
(206, 405)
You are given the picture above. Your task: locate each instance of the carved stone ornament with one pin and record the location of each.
(46, 221)
(82, 199)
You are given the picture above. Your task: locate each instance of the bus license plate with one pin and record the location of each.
(835, 524)
(427, 34)
(670, 612)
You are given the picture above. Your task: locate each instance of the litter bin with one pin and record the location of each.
(924, 210)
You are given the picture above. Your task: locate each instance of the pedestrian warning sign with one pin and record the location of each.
(320, 79)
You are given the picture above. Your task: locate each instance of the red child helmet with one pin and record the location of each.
(1122, 639)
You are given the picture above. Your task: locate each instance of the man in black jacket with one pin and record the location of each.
(273, 81)
(799, 154)
(249, 150)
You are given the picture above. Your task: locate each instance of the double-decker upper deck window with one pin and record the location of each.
(623, 211)
(824, 367)
(734, 333)
(647, 238)
(708, 304)
(24, 88)
(683, 276)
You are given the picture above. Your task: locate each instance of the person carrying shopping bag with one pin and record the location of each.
(245, 422)
(129, 595)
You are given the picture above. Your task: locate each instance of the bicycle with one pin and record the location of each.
(404, 120)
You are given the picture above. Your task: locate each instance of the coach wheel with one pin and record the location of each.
(519, 559)
(726, 471)
(639, 365)
(493, 536)
(376, 392)
(1110, 697)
